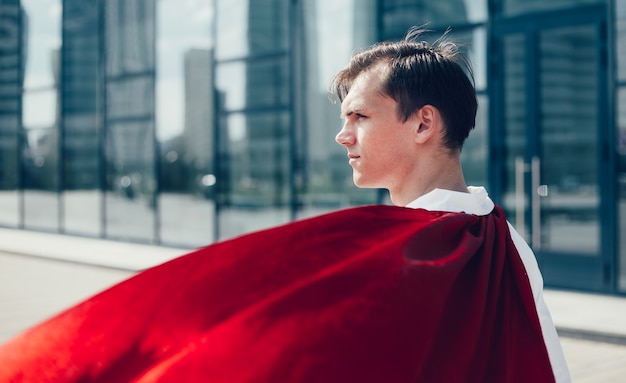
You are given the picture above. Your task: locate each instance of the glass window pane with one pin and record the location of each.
(129, 42)
(515, 122)
(185, 127)
(40, 179)
(231, 37)
(620, 39)
(621, 150)
(130, 119)
(130, 181)
(516, 7)
(254, 84)
(247, 27)
(569, 138)
(258, 158)
(40, 115)
(81, 118)
(254, 174)
(120, 104)
(400, 15)
(12, 58)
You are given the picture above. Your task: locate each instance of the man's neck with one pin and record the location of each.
(447, 175)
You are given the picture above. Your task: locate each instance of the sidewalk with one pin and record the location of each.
(592, 329)
(42, 274)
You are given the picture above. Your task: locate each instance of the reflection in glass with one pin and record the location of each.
(620, 39)
(400, 15)
(516, 7)
(249, 27)
(256, 161)
(40, 178)
(253, 182)
(81, 118)
(232, 39)
(40, 140)
(12, 63)
(621, 176)
(185, 124)
(515, 199)
(255, 122)
(259, 83)
(130, 115)
(569, 92)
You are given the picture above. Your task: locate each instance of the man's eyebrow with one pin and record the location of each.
(350, 112)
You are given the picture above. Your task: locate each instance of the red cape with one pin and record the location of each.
(370, 294)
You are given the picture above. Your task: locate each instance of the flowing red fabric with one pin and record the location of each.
(368, 294)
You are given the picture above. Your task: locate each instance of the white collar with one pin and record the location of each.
(475, 202)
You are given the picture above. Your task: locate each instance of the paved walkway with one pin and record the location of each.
(592, 328)
(41, 274)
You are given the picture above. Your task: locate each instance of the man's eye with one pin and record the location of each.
(359, 115)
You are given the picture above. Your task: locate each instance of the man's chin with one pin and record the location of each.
(362, 183)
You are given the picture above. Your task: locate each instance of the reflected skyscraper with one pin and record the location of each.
(13, 48)
(129, 98)
(199, 113)
(130, 88)
(81, 111)
(269, 121)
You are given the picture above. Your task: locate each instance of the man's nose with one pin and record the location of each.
(345, 136)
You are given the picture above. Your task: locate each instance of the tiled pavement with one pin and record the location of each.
(33, 287)
(595, 362)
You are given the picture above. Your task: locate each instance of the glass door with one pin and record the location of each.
(552, 109)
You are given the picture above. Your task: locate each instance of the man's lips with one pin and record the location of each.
(352, 158)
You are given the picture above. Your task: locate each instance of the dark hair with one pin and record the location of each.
(419, 73)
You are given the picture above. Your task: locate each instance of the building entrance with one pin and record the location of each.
(550, 113)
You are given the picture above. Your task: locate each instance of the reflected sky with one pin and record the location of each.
(185, 25)
(334, 48)
(181, 26)
(44, 38)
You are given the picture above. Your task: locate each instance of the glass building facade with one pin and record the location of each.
(180, 123)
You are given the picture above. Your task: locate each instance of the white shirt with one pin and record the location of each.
(477, 202)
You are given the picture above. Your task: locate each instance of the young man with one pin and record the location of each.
(408, 107)
(369, 294)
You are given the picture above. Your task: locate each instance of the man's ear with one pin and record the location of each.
(428, 122)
